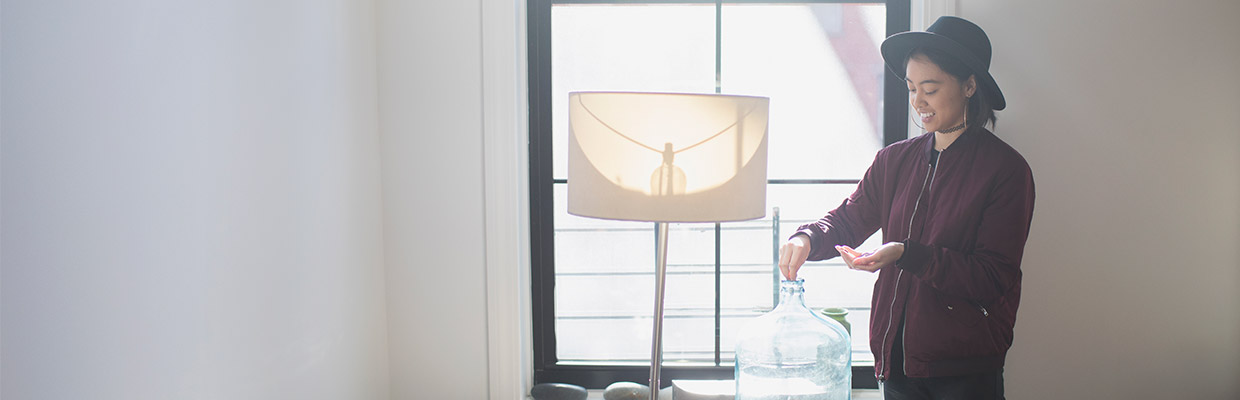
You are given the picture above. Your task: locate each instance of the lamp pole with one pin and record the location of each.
(660, 280)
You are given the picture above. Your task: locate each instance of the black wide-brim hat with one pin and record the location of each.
(954, 36)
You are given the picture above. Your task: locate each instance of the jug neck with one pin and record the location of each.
(791, 294)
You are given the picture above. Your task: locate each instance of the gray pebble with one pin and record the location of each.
(627, 391)
(558, 391)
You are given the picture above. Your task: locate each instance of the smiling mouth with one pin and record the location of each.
(925, 116)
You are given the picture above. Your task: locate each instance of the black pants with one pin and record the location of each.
(983, 386)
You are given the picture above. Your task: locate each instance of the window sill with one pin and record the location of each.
(857, 394)
(707, 389)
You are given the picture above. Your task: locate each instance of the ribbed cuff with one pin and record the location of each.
(914, 257)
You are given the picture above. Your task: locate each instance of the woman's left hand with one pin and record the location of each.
(873, 261)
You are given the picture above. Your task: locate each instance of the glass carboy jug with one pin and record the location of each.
(792, 353)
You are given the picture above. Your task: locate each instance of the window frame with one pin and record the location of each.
(546, 367)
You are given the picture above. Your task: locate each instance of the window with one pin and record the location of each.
(833, 106)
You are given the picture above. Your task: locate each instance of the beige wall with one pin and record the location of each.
(191, 201)
(430, 107)
(1127, 113)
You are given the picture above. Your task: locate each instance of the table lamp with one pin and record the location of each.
(666, 157)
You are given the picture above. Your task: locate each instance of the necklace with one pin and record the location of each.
(953, 129)
(948, 131)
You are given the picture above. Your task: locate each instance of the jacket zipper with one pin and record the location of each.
(888, 331)
(931, 170)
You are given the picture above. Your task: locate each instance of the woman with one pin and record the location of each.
(954, 205)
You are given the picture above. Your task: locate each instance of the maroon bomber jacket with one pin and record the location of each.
(964, 223)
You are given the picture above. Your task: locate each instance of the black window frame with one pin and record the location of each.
(541, 180)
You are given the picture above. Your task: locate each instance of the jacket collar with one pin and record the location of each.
(968, 136)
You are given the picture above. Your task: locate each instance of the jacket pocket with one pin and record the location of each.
(961, 311)
(950, 328)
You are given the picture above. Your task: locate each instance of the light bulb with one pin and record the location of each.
(667, 179)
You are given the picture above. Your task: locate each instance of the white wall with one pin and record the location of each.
(430, 102)
(191, 201)
(1126, 111)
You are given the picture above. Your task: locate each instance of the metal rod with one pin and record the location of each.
(718, 292)
(656, 348)
(775, 242)
(719, 46)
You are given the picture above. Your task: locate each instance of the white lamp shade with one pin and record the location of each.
(667, 157)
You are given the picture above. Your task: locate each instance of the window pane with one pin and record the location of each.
(605, 288)
(822, 69)
(627, 47)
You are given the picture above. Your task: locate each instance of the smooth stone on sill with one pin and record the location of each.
(627, 391)
(634, 391)
(558, 391)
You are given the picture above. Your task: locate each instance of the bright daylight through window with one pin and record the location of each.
(819, 64)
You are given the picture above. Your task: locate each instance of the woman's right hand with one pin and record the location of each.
(792, 255)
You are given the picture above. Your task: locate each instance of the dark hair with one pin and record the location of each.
(979, 107)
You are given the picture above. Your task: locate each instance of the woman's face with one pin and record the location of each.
(938, 97)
